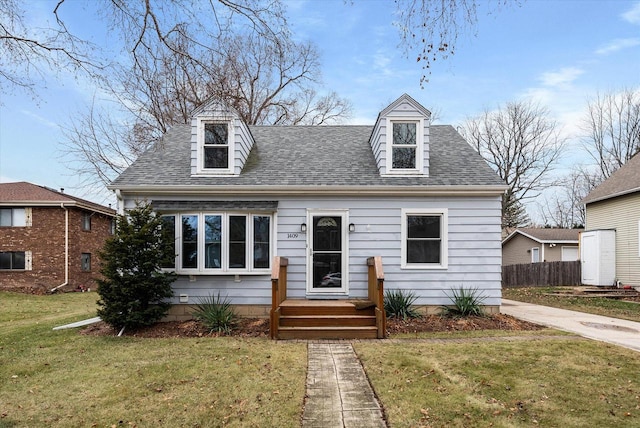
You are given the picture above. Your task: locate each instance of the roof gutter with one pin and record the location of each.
(317, 190)
(66, 248)
(586, 201)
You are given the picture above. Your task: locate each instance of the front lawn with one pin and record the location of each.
(560, 382)
(64, 379)
(560, 297)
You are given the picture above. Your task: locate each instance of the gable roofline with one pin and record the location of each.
(588, 200)
(217, 102)
(541, 240)
(624, 181)
(276, 190)
(42, 196)
(400, 100)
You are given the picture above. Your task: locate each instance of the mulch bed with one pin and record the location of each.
(259, 327)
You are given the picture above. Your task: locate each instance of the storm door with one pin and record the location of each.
(328, 251)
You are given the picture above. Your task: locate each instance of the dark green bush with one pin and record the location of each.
(215, 313)
(398, 304)
(466, 302)
(134, 289)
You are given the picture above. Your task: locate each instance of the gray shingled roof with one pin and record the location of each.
(310, 155)
(547, 234)
(624, 181)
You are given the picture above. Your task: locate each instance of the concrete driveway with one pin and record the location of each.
(612, 330)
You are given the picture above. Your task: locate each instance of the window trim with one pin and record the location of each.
(82, 262)
(201, 123)
(26, 255)
(224, 268)
(444, 237)
(535, 250)
(25, 216)
(86, 218)
(419, 169)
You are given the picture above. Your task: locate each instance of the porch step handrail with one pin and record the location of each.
(278, 292)
(376, 292)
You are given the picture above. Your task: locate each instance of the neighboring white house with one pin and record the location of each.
(326, 198)
(611, 248)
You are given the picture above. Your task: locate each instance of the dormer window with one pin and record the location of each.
(215, 147)
(405, 147)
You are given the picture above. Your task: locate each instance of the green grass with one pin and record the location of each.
(547, 383)
(594, 305)
(64, 379)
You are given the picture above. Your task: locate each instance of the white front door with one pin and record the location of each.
(327, 260)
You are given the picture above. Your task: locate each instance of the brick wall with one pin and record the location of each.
(45, 238)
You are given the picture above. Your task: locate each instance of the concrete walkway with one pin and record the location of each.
(612, 330)
(338, 391)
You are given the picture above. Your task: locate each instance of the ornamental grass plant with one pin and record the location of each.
(399, 304)
(216, 313)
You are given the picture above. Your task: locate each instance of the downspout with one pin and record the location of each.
(66, 248)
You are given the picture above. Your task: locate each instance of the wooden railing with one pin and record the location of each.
(376, 293)
(278, 292)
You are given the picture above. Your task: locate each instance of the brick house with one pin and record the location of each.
(49, 239)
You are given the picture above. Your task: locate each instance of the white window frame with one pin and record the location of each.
(444, 237)
(535, 250)
(201, 122)
(224, 268)
(565, 248)
(419, 146)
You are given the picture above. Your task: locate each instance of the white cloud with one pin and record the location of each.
(44, 121)
(618, 44)
(562, 77)
(633, 14)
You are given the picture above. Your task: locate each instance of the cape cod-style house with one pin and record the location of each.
(307, 224)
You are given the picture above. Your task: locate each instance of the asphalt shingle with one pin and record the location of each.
(310, 156)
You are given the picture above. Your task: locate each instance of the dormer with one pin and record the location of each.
(400, 138)
(220, 141)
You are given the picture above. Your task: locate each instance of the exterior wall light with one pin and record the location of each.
(303, 227)
(352, 227)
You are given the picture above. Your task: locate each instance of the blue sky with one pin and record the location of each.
(558, 53)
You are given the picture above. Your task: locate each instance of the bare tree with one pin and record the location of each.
(612, 129)
(29, 53)
(430, 28)
(564, 208)
(522, 144)
(267, 79)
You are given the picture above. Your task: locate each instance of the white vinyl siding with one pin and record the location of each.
(622, 214)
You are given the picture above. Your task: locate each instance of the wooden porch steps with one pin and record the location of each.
(326, 319)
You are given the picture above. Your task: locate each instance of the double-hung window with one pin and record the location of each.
(405, 146)
(211, 243)
(215, 149)
(424, 239)
(13, 217)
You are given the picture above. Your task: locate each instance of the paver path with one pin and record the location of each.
(338, 391)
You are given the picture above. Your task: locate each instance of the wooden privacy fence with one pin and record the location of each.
(542, 274)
